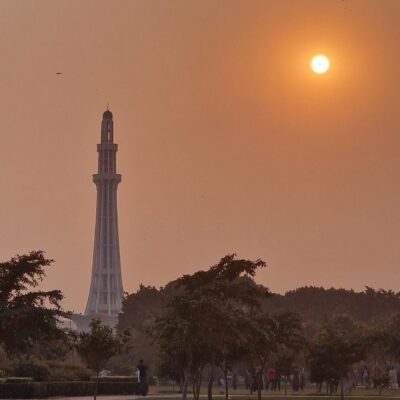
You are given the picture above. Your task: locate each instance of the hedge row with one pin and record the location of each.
(38, 390)
(17, 379)
(115, 378)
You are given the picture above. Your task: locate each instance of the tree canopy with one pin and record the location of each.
(337, 346)
(98, 345)
(27, 316)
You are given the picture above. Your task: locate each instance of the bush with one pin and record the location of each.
(39, 390)
(18, 379)
(37, 370)
(121, 364)
(23, 390)
(67, 372)
(123, 388)
(70, 389)
(128, 379)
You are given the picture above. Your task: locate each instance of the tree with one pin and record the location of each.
(382, 343)
(180, 332)
(98, 345)
(337, 346)
(27, 316)
(391, 333)
(200, 322)
(229, 339)
(290, 340)
(316, 304)
(271, 334)
(144, 305)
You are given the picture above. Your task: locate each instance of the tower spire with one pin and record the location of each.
(105, 295)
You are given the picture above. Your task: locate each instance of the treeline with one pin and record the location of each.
(313, 304)
(213, 323)
(220, 321)
(316, 303)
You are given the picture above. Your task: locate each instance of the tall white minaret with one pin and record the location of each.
(105, 295)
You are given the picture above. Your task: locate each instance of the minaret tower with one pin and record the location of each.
(106, 285)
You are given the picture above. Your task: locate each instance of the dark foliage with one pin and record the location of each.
(204, 323)
(48, 370)
(37, 370)
(144, 305)
(315, 304)
(37, 390)
(27, 316)
(98, 345)
(338, 345)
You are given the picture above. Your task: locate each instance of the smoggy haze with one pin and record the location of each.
(227, 141)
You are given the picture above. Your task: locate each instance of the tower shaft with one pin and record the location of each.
(105, 295)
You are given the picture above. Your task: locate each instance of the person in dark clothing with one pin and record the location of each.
(234, 381)
(143, 387)
(277, 385)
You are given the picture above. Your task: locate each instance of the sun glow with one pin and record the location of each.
(320, 64)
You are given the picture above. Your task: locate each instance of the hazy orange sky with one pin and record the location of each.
(227, 141)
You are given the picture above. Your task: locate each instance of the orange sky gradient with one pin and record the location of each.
(228, 142)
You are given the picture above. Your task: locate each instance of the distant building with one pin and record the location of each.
(105, 295)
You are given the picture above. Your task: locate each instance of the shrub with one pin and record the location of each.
(37, 390)
(67, 372)
(27, 390)
(122, 388)
(37, 370)
(18, 379)
(128, 379)
(70, 389)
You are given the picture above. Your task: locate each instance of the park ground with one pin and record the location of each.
(161, 393)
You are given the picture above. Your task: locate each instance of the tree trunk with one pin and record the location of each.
(185, 385)
(259, 385)
(285, 385)
(198, 382)
(226, 384)
(194, 389)
(210, 383)
(96, 384)
(341, 389)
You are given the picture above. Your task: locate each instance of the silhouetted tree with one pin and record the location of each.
(291, 342)
(98, 345)
(315, 304)
(338, 345)
(200, 322)
(271, 334)
(27, 316)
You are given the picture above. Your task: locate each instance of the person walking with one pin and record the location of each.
(365, 377)
(141, 372)
(302, 379)
(271, 374)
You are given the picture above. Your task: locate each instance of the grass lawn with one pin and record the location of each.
(243, 394)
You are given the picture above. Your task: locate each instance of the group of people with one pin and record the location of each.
(271, 380)
(388, 378)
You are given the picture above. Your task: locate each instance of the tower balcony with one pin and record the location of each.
(106, 177)
(107, 146)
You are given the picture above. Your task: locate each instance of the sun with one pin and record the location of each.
(320, 64)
